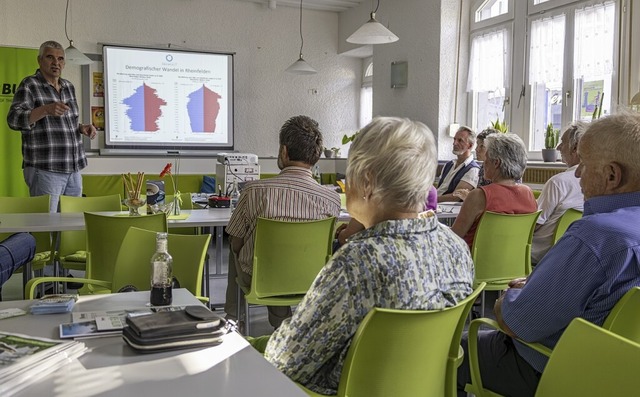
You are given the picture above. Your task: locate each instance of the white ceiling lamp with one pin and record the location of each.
(372, 32)
(301, 66)
(72, 54)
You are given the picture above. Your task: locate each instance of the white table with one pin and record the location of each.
(111, 368)
(216, 218)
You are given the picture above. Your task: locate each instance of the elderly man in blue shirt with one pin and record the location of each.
(590, 268)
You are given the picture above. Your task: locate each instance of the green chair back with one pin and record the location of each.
(104, 238)
(623, 319)
(565, 220)
(38, 204)
(73, 244)
(287, 257)
(133, 260)
(589, 361)
(404, 352)
(502, 248)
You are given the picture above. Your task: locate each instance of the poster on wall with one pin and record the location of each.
(590, 98)
(15, 64)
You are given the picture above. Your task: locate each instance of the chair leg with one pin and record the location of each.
(482, 304)
(247, 328)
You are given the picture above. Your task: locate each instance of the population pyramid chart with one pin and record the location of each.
(144, 108)
(168, 98)
(203, 108)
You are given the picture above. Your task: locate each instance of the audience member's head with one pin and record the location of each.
(463, 141)
(608, 154)
(506, 157)
(392, 164)
(481, 149)
(568, 146)
(300, 142)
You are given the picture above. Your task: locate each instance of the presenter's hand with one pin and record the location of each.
(56, 109)
(88, 130)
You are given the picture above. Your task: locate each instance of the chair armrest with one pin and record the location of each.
(30, 288)
(476, 381)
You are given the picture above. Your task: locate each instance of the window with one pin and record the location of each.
(488, 71)
(490, 9)
(570, 67)
(366, 92)
(559, 69)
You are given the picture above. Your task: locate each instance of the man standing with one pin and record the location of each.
(561, 192)
(461, 173)
(293, 195)
(589, 269)
(45, 110)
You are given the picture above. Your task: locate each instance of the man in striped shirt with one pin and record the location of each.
(46, 112)
(293, 195)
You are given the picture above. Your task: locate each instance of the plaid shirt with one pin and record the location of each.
(52, 143)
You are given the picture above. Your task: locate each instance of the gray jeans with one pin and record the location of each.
(55, 184)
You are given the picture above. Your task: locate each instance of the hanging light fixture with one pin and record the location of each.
(372, 32)
(72, 54)
(301, 66)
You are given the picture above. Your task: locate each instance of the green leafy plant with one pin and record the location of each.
(500, 126)
(349, 138)
(551, 137)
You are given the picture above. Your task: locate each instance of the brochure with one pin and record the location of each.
(87, 329)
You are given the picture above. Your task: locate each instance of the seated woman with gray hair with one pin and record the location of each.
(505, 161)
(399, 260)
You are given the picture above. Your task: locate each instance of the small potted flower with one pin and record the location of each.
(177, 199)
(549, 153)
(331, 153)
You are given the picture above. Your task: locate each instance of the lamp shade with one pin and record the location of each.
(372, 32)
(301, 67)
(73, 55)
(636, 99)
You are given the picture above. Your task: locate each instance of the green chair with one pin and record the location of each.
(38, 204)
(536, 193)
(565, 220)
(622, 320)
(287, 256)
(72, 252)
(133, 268)
(104, 237)
(590, 361)
(404, 353)
(501, 249)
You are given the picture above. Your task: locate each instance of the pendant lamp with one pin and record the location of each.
(301, 66)
(72, 54)
(372, 32)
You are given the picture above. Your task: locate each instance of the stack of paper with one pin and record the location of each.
(49, 304)
(26, 359)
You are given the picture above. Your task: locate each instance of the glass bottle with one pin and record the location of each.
(316, 174)
(161, 277)
(234, 196)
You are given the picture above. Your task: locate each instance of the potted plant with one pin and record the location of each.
(331, 152)
(549, 153)
(500, 126)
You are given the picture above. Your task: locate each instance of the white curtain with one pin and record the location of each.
(593, 54)
(547, 50)
(489, 62)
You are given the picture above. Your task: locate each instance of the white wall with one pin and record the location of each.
(265, 41)
(428, 37)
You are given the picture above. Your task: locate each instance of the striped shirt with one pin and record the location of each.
(53, 143)
(594, 263)
(293, 195)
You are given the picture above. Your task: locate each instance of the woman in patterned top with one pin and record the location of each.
(398, 261)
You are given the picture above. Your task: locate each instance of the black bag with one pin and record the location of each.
(195, 326)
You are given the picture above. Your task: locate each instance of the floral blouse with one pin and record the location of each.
(415, 264)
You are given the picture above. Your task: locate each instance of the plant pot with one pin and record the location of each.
(549, 155)
(328, 153)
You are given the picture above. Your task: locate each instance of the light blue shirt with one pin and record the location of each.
(583, 275)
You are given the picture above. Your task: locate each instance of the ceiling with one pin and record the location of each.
(322, 5)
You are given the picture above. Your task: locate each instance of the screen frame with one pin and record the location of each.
(170, 147)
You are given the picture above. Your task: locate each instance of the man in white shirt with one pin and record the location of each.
(461, 173)
(561, 192)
